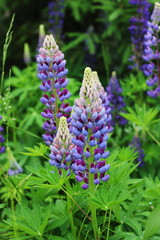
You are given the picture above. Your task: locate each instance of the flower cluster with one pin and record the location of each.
(52, 72)
(138, 29)
(116, 100)
(56, 17)
(152, 53)
(90, 127)
(62, 147)
(2, 148)
(136, 144)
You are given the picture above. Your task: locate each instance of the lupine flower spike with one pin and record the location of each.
(104, 98)
(152, 52)
(41, 36)
(52, 73)
(56, 17)
(136, 144)
(61, 149)
(116, 100)
(2, 148)
(27, 54)
(89, 125)
(15, 168)
(138, 29)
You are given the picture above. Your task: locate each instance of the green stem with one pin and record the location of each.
(80, 230)
(56, 106)
(70, 212)
(153, 137)
(109, 221)
(92, 191)
(75, 203)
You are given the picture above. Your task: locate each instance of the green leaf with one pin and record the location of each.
(75, 42)
(36, 151)
(153, 223)
(134, 224)
(2, 205)
(141, 116)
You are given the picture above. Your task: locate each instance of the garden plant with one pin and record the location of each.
(80, 120)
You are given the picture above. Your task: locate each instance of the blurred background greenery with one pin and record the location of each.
(98, 27)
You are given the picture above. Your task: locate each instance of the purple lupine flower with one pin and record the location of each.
(136, 144)
(116, 100)
(15, 168)
(2, 148)
(138, 29)
(104, 98)
(89, 125)
(62, 147)
(56, 17)
(152, 53)
(52, 72)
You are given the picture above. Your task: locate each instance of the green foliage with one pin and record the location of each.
(142, 116)
(153, 223)
(36, 151)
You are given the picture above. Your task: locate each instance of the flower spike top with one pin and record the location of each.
(61, 148)
(116, 100)
(156, 13)
(52, 73)
(152, 53)
(89, 125)
(102, 94)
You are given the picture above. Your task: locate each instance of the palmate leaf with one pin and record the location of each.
(51, 175)
(141, 116)
(108, 198)
(153, 224)
(30, 220)
(36, 151)
(134, 224)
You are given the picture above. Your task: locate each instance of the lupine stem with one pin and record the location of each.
(70, 215)
(153, 137)
(109, 221)
(56, 107)
(92, 190)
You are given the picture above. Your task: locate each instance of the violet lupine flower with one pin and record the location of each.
(136, 144)
(2, 148)
(52, 73)
(104, 98)
(61, 149)
(89, 125)
(116, 100)
(15, 168)
(56, 17)
(138, 29)
(152, 53)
